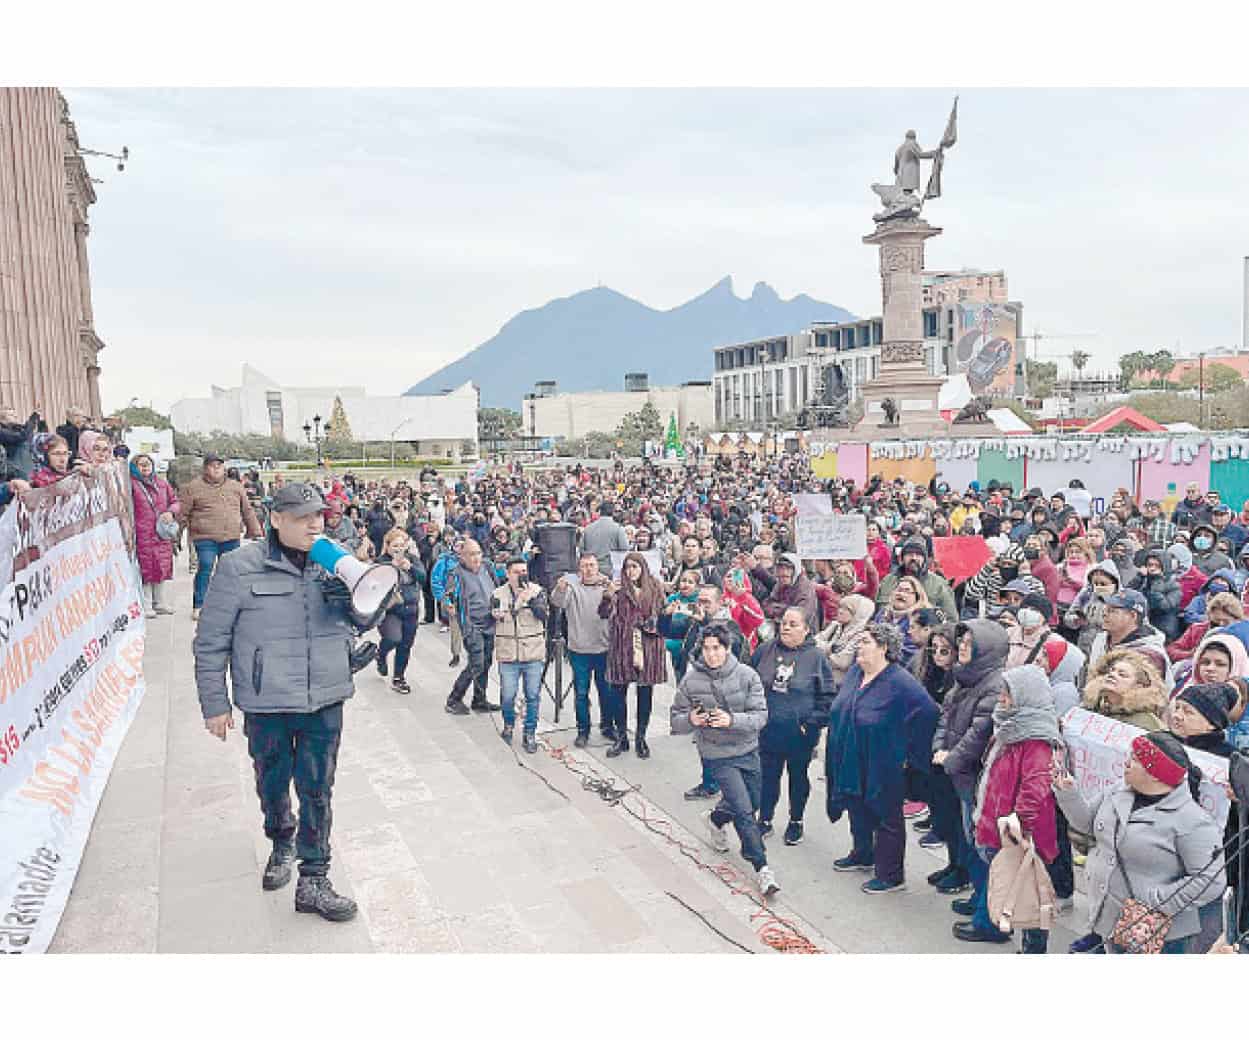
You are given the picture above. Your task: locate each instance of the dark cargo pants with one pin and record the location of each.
(302, 747)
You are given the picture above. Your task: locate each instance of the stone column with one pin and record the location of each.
(903, 374)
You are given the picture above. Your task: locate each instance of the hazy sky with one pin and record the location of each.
(370, 236)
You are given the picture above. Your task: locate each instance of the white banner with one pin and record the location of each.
(71, 681)
(1099, 748)
(831, 537)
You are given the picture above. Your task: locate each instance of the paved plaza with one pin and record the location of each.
(447, 844)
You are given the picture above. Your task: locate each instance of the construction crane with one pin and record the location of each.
(1038, 335)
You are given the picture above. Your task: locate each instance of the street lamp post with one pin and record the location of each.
(316, 434)
(392, 440)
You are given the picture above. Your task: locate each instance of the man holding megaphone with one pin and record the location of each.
(280, 614)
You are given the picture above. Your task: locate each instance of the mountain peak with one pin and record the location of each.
(588, 340)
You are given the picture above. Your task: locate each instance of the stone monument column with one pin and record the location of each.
(903, 373)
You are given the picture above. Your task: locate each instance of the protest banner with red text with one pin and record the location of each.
(71, 681)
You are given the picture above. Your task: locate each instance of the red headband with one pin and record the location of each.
(1156, 762)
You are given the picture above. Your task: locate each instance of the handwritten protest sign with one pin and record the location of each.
(1099, 747)
(960, 556)
(831, 537)
(71, 681)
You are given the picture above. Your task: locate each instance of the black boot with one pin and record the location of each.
(639, 743)
(621, 745)
(278, 869)
(315, 895)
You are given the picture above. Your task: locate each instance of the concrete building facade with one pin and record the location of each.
(434, 425)
(549, 413)
(49, 350)
(768, 379)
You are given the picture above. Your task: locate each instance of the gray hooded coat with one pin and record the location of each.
(966, 721)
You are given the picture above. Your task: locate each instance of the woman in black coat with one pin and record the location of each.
(798, 683)
(398, 627)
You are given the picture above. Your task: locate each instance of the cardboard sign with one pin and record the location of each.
(960, 556)
(832, 536)
(1099, 749)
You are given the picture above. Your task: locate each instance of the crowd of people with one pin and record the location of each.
(939, 702)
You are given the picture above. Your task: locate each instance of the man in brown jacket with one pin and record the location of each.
(215, 511)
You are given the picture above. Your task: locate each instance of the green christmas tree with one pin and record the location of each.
(340, 428)
(672, 440)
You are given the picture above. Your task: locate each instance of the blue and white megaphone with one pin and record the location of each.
(370, 584)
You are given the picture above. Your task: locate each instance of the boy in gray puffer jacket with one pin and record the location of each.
(721, 701)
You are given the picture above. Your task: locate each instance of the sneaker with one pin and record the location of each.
(768, 885)
(912, 809)
(924, 823)
(793, 833)
(931, 841)
(443, 629)
(968, 932)
(582, 740)
(529, 742)
(454, 662)
(150, 612)
(457, 708)
(1086, 943)
(400, 685)
(719, 840)
(964, 907)
(852, 862)
(765, 828)
(484, 706)
(506, 735)
(937, 876)
(876, 887)
(695, 793)
(315, 895)
(195, 613)
(954, 882)
(278, 870)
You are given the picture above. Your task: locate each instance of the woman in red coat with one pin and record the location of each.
(1015, 796)
(635, 649)
(154, 502)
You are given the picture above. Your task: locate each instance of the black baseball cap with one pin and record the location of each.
(212, 456)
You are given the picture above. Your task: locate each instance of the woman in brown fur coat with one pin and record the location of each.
(1126, 687)
(635, 649)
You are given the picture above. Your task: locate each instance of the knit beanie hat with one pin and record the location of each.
(1214, 700)
(1163, 757)
(1182, 555)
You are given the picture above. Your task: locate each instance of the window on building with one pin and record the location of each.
(878, 332)
(821, 339)
(930, 324)
(273, 399)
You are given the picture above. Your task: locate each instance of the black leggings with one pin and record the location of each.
(773, 763)
(402, 649)
(645, 698)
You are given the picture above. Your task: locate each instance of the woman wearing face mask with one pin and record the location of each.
(857, 576)
(1155, 844)
(1014, 801)
(1073, 572)
(1088, 608)
(1027, 638)
(1205, 553)
(1161, 592)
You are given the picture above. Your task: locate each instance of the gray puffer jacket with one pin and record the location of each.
(966, 721)
(1170, 852)
(286, 647)
(734, 687)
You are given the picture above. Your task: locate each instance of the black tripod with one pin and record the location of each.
(556, 648)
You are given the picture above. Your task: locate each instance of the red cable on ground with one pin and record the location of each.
(777, 932)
